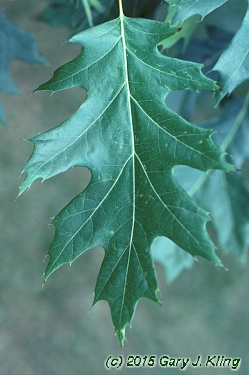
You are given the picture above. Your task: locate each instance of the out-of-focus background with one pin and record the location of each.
(53, 330)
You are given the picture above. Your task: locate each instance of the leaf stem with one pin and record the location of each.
(120, 7)
(88, 12)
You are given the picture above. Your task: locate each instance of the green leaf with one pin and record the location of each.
(233, 64)
(128, 138)
(188, 8)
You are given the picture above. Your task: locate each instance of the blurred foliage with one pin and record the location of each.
(15, 44)
(77, 18)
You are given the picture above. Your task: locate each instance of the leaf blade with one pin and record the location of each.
(130, 141)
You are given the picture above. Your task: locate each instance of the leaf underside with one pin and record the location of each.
(128, 138)
(233, 64)
(188, 8)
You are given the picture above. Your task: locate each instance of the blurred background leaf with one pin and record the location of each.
(15, 44)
